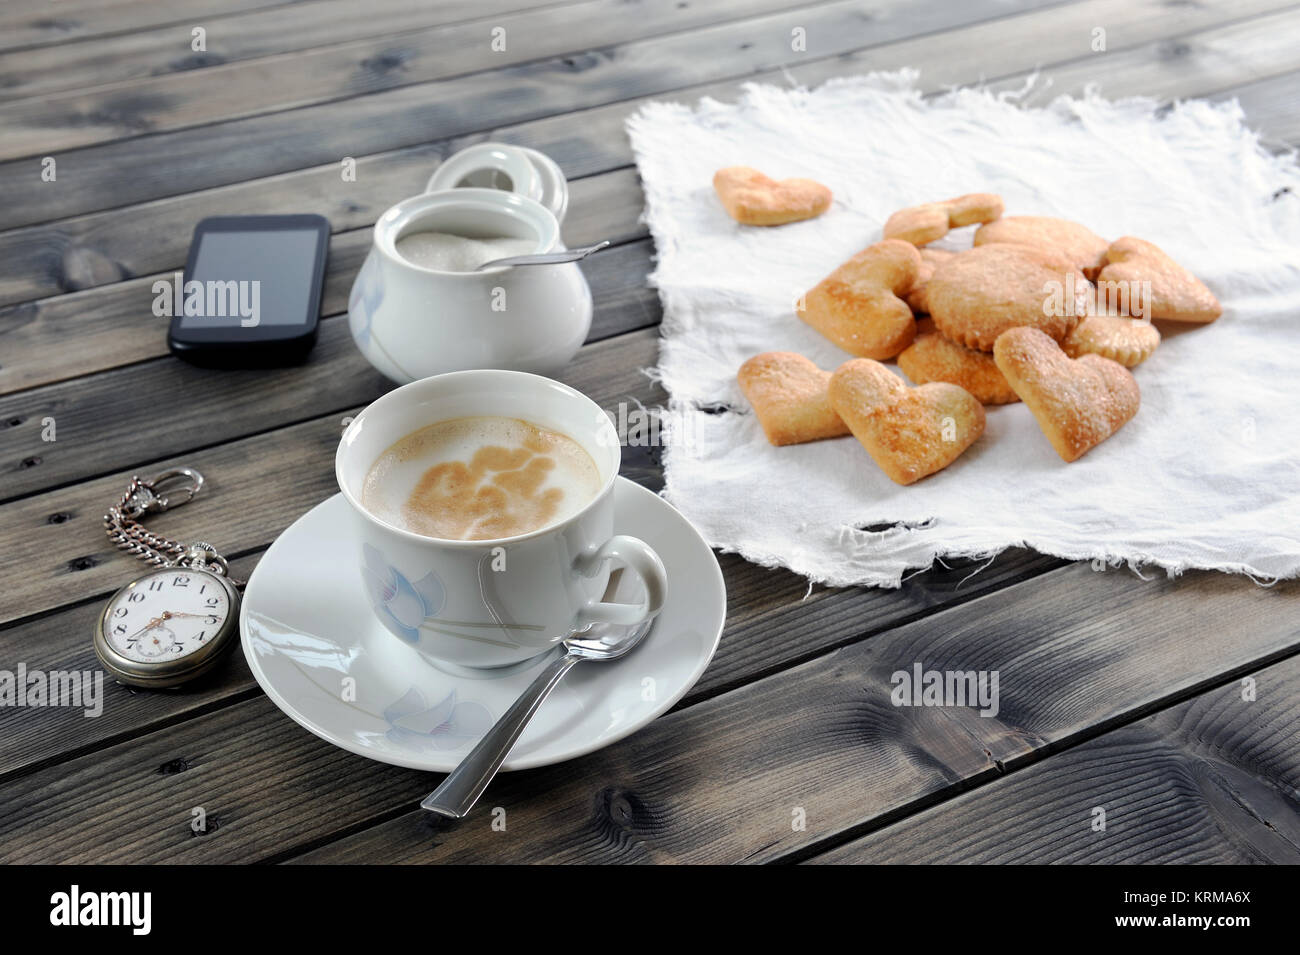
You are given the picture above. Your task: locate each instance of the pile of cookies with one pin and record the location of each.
(1039, 310)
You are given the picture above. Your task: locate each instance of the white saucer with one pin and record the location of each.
(316, 648)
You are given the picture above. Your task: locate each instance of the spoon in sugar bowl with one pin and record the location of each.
(546, 258)
(466, 783)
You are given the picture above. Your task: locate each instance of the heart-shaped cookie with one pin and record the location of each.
(931, 259)
(752, 198)
(931, 357)
(1078, 402)
(788, 393)
(1176, 293)
(909, 432)
(932, 220)
(859, 305)
(1080, 245)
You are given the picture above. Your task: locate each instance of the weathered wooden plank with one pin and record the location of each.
(716, 781)
(114, 325)
(1210, 60)
(155, 50)
(186, 160)
(720, 782)
(1273, 107)
(38, 22)
(62, 121)
(1209, 781)
(98, 248)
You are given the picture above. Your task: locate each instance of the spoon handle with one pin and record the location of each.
(462, 788)
(546, 258)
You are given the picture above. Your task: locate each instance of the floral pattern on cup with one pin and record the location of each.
(401, 605)
(448, 724)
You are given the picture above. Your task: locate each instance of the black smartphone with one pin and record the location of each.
(250, 293)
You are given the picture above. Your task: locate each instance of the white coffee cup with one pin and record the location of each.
(493, 602)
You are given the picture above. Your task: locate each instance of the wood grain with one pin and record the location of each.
(58, 122)
(716, 781)
(26, 23)
(157, 50)
(171, 163)
(1171, 67)
(690, 789)
(1209, 781)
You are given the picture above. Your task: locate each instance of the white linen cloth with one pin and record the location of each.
(1207, 475)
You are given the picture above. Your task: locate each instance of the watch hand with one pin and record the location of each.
(148, 626)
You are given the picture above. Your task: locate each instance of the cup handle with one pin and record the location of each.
(638, 557)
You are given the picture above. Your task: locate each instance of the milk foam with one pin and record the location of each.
(480, 478)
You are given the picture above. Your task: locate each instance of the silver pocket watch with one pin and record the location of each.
(172, 624)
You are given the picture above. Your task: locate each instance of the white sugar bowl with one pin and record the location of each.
(412, 321)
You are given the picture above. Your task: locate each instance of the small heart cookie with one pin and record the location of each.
(1078, 402)
(858, 306)
(909, 432)
(931, 357)
(752, 198)
(1083, 247)
(789, 396)
(1176, 293)
(1129, 341)
(931, 259)
(932, 220)
(980, 293)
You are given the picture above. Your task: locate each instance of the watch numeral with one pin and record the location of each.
(136, 597)
(211, 621)
(120, 628)
(181, 581)
(155, 584)
(119, 612)
(212, 601)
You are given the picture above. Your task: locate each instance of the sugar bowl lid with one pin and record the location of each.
(504, 166)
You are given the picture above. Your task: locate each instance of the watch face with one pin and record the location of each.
(166, 616)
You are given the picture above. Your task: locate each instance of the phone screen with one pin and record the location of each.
(250, 279)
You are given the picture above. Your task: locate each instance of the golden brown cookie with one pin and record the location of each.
(1176, 293)
(931, 357)
(1083, 247)
(858, 306)
(932, 220)
(1078, 402)
(752, 198)
(909, 432)
(980, 293)
(931, 259)
(1129, 341)
(789, 396)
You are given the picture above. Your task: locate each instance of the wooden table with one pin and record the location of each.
(1116, 692)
